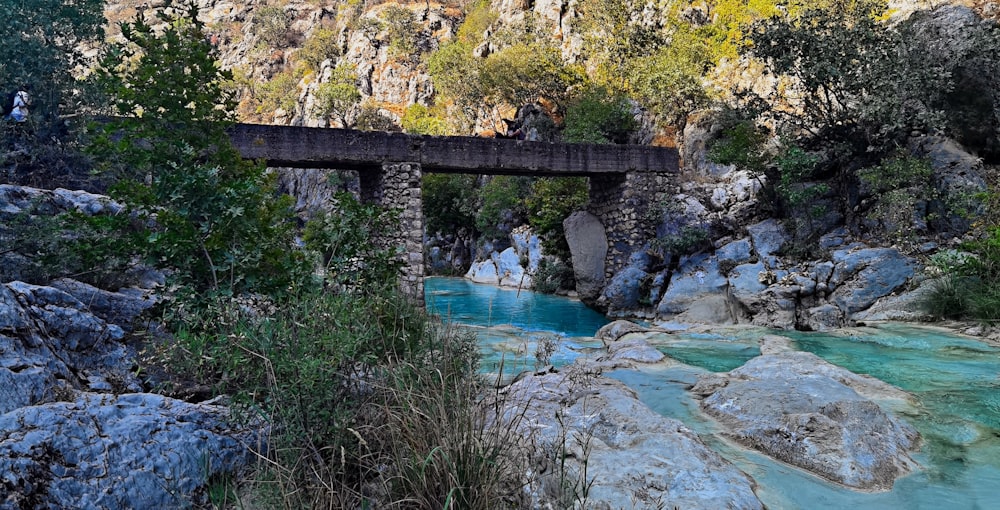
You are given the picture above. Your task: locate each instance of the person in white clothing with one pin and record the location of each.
(19, 109)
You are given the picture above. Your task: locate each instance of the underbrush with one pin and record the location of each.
(970, 286)
(369, 404)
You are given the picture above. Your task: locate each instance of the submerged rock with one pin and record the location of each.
(802, 410)
(628, 455)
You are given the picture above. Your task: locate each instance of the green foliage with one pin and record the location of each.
(44, 44)
(616, 37)
(320, 46)
(742, 144)
(449, 202)
(419, 120)
(668, 80)
(502, 205)
(344, 242)
(273, 26)
(858, 80)
(371, 118)
(280, 92)
(478, 18)
(970, 283)
(553, 276)
(796, 171)
(688, 239)
(210, 218)
(524, 73)
(338, 96)
(599, 116)
(456, 75)
(402, 31)
(552, 200)
(898, 185)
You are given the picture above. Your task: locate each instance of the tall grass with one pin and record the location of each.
(369, 404)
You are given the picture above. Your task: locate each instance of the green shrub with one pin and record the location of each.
(321, 45)
(402, 31)
(502, 205)
(419, 120)
(552, 276)
(551, 201)
(273, 26)
(338, 96)
(598, 116)
(449, 202)
(371, 118)
(345, 242)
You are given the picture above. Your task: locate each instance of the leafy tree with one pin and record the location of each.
(449, 202)
(43, 45)
(598, 116)
(209, 217)
(524, 73)
(339, 96)
(320, 46)
(402, 30)
(372, 118)
(502, 205)
(616, 36)
(551, 201)
(856, 79)
(419, 120)
(273, 25)
(669, 80)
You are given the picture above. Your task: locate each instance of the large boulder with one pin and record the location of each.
(799, 409)
(696, 278)
(125, 451)
(588, 246)
(863, 275)
(634, 457)
(51, 342)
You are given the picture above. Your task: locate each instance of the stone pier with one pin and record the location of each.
(621, 202)
(398, 186)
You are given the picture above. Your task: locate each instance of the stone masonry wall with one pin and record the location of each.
(621, 202)
(398, 185)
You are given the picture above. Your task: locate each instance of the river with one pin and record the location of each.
(955, 380)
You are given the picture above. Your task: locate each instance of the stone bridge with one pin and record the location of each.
(622, 178)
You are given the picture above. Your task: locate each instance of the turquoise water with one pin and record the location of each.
(955, 381)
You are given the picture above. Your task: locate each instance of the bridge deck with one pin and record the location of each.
(303, 147)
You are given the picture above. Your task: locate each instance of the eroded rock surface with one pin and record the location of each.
(802, 410)
(106, 451)
(635, 458)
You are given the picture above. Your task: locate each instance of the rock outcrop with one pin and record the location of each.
(630, 456)
(75, 429)
(588, 244)
(137, 450)
(799, 409)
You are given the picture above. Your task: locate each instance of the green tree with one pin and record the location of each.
(209, 217)
(449, 202)
(551, 201)
(338, 96)
(321, 45)
(598, 116)
(419, 120)
(502, 205)
(856, 80)
(402, 31)
(43, 46)
(524, 73)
